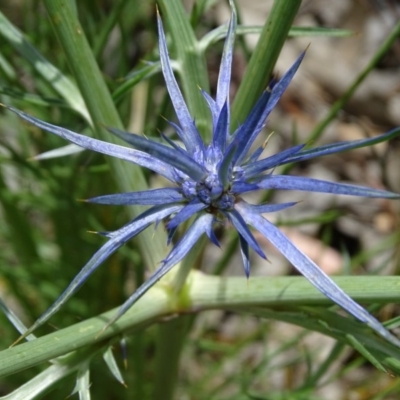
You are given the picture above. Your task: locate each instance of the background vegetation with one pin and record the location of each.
(86, 64)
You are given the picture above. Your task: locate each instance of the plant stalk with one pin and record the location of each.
(262, 62)
(202, 293)
(103, 112)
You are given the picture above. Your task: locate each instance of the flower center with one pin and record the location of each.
(210, 192)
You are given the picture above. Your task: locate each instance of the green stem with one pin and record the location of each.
(192, 63)
(171, 335)
(193, 73)
(103, 112)
(170, 341)
(188, 263)
(85, 333)
(230, 249)
(203, 293)
(262, 62)
(41, 383)
(138, 348)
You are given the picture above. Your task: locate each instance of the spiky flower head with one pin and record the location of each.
(209, 180)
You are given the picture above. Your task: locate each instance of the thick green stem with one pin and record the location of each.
(192, 63)
(171, 335)
(170, 344)
(148, 310)
(262, 62)
(203, 293)
(193, 74)
(188, 263)
(103, 112)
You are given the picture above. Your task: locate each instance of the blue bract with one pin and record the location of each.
(209, 179)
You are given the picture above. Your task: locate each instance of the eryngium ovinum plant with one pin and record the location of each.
(208, 181)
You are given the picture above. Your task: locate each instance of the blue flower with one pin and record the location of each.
(209, 180)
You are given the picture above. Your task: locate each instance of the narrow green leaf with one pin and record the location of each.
(49, 72)
(82, 385)
(364, 352)
(295, 31)
(112, 365)
(64, 151)
(134, 78)
(33, 98)
(338, 327)
(41, 383)
(7, 69)
(313, 31)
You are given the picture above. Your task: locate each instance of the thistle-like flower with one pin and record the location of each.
(209, 180)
